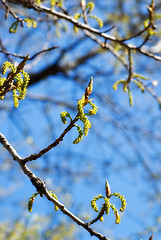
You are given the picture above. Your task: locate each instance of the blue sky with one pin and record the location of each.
(120, 143)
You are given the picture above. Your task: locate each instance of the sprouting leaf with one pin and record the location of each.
(76, 17)
(30, 22)
(130, 97)
(56, 208)
(100, 22)
(117, 83)
(90, 6)
(146, 23)
(53, 2)
(60, 3)
(140, 85)
(14, 27)
(139, 76)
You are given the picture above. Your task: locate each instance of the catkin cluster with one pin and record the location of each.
(21, 83)
(107, 204)
(83, 117)
(17, 81)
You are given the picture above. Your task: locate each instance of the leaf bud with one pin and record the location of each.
(107, 189)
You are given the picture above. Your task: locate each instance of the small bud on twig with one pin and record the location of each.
(151, 238)
(83, 4)
(89, 89)
(107, 189)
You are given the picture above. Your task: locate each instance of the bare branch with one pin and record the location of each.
(130, 66)
(9, 148)
(8, 9)
(90, 29)
(31, 58)
(108, 47)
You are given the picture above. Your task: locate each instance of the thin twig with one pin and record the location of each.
(90, 29)
(42, 51)
(31, 58)
(52, 145)
(108, 47)
(12, 12)
(130, 66)
(98, 217)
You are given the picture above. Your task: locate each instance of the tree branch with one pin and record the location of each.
(90, 29)
(8, 9)
(9, 148)
(42, 190)
(52, 145)
(30, 58)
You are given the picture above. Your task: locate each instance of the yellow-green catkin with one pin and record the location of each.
(17, 80)
(117, 216)
(93, 202)
(107, 205)
(80, 136)
(24, 84)
(7, 65)
(94, 109)
(2, 80)
(123, 201)
(83, 117)
(93, 205)
(64, 116)
(30, 202)
(56, 208)
(15, 98)
(87, 125)
(80, 108)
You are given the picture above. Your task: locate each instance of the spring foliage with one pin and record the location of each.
(16, 81)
